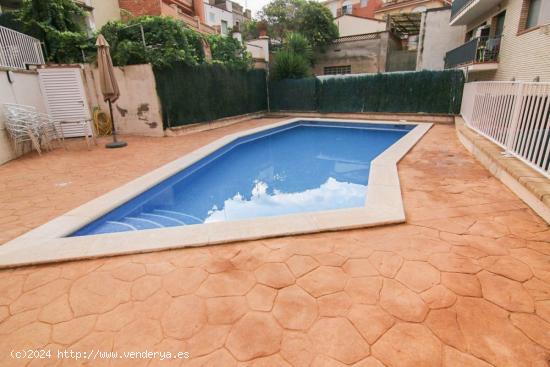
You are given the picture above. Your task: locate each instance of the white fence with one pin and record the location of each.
(514, 115)
(17, 50)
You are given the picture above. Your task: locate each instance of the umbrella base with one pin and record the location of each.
(116, 144)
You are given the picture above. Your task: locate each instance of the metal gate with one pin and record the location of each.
(65, 99)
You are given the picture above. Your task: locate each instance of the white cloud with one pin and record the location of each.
(330, 195)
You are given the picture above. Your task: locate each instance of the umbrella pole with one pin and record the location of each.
(115, 143)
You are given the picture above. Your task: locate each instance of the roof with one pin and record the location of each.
(399, 4)
(360, 17)
(359, 37)
(406, 23)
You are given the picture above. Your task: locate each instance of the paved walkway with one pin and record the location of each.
(466, 282)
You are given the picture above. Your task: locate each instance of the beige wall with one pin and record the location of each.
(24, 89)
(364, 56)
(104, 11)
(349, 25)
(522, 57)
(436, 38)
(137, 111)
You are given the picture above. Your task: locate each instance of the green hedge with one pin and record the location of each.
(407, 92)
(192, 94)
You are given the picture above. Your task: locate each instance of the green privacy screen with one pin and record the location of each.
(293, 94)
(408, 92)
(191, 94)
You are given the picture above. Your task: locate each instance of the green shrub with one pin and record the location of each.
(57, 23)
(299, 44)
(290, 65)
(229, 51)
(168, 41)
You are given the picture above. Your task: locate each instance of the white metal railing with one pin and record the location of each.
(17, 50)
(514, 115)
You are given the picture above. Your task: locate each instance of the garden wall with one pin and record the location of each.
(436, 92)
(137, 111)
(193, 94)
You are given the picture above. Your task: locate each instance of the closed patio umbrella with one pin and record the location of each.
(108, 84)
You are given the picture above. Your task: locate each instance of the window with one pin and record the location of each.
(364, 3)
(224, 26)
(212, 17)
(499, 24)
(335, 70)
(534, 13)
(347, 8)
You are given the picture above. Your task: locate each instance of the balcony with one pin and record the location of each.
(464, 12)
(482, 53)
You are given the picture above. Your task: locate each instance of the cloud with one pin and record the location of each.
(329, 196)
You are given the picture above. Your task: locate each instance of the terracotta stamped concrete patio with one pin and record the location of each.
(466, 282)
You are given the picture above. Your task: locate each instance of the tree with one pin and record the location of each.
(251, 29)
(307, 17)
(229, 51)
(281, 16)
(316, 23)
(56, 23)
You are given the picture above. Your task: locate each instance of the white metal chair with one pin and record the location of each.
(83, 126)
(25, 123)
(22, 127)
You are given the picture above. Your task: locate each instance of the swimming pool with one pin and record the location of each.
(296, 176)
(306, 166)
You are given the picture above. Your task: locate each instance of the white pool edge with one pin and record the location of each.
(48, 243)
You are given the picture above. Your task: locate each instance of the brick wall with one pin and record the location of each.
(141, 7)
(523, 53)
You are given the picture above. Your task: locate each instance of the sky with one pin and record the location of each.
(254, 5)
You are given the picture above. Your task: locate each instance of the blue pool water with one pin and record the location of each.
(302, 167)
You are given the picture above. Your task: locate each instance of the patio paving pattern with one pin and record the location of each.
(465, 282)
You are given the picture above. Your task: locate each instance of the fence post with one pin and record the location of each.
(514, 123)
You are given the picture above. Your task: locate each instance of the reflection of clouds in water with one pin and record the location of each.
(331, 195)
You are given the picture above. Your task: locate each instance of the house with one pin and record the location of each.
(260, 51)
(98, 12)
(350, 25)
(225, 15)
(503, 39)
(190, 12)
(436, 38)
(360, 8)
(357, 54)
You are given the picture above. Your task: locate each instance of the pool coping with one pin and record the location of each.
(47, 243)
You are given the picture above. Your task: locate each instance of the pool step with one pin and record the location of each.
(158, 218)
(183, 217)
